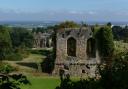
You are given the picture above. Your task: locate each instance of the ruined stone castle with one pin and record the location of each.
(42, 40)
(76, 52)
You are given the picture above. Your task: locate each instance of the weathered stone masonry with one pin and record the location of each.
(76, 54)
(42, 40)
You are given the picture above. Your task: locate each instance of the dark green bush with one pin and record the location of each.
(6, 68)
(12, 81)
(14, 57)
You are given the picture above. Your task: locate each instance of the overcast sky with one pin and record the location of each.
(59, 10)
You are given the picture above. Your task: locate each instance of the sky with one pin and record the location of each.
(61, 10)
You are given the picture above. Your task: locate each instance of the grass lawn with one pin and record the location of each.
(34, 58)
(42, 83)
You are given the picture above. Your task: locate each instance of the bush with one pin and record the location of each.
(6, 68)
(116, 76)
(82, 84)
(14, 57)
(12, 81)
(22, 51)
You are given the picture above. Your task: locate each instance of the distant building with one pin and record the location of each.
(42, 40)
(76, 52)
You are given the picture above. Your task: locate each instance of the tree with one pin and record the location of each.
(68, 24)
(21, 36)
(117, 32)
(5, 42)
(109, 24)
(120, 33)
(119, 72)
(105, 41)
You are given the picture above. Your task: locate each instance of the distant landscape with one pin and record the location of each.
(31, 24)
(64, 44)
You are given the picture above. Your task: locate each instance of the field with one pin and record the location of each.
(42, 82)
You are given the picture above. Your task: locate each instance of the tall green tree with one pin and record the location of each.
(21, 37)
(105, 45)
(5, 41)
(105, 41)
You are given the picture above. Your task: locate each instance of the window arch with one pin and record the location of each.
(91, 48)
(71, 47)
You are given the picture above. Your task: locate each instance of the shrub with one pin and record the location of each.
(6, 68)
(14, 57)
(12, 81)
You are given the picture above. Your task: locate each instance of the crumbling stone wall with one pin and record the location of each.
(42, 40)
(82, 63)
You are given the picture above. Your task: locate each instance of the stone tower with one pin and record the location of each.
(76, 52)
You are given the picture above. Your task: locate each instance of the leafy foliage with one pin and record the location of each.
(120, 33)
(105, 42)
(116, 76)
(21, 37)
(6, 68)
(12, 81)
(39, 29)
(5, 42)
(68, 24)
(14, 57)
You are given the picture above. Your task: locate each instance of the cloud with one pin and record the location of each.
(60, 15)
(92, 12)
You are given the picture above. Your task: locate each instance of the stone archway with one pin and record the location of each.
(91, 48)
(71, 47)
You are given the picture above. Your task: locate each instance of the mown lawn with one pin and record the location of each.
(42, 83)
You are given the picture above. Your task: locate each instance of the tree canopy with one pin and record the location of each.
(5, 41)
(68, 24)
(21, 36)
(105, 41)
(120, 33)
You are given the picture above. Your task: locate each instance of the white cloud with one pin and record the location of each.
(92, 12)
(92, 15)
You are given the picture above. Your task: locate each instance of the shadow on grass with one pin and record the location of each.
(41, 52)
(30, 64)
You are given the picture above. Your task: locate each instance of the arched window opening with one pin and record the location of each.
(71, 47)
(41, 43)
(91, 48)
(83, 71)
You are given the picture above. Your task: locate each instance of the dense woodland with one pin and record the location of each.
(120, 33)
(15, 43)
